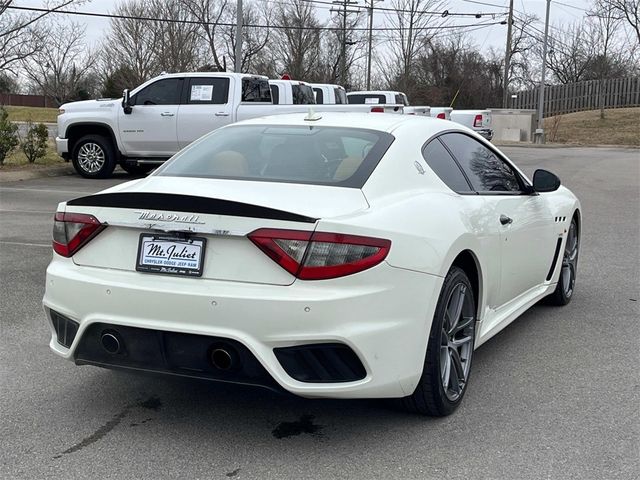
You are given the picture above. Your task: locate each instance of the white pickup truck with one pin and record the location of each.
(291, 92)
(386, 97)
(158, 118)
(329, 94)
(478, 120)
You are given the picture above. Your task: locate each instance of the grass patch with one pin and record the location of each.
(621, 126)
(36, 114)
(17, 160)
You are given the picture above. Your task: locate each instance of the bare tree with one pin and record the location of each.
(175, 43)
(522, 45)
(630, 11)
(254, 39)
(62, 66)
(297, 45)
(414, 29)
(20, 34)
(209, 13)
(568, 57)
(129, 45)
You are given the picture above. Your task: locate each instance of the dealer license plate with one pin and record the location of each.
(171, 255)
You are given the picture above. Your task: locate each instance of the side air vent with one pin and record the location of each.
(560, 219)
(65, 328)
(555, 259)
(321, 363)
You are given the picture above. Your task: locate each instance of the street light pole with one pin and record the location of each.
(370, 46)
(238, 63)
(507, 59)
(540, 130)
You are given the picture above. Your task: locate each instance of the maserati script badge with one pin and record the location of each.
(169, 217)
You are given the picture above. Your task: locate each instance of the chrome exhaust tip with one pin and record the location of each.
(221, 359)
(111, 343)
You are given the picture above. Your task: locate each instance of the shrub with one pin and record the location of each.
(34, 144)
(8, 135)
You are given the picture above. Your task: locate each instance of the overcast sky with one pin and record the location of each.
(493, 36)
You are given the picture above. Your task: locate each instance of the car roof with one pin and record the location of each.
(385, 122)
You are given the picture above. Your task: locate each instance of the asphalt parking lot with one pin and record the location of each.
(555, 395)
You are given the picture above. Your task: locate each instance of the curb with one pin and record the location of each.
(562, 145)
(20, 175)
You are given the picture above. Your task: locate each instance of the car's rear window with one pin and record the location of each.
(279, 153)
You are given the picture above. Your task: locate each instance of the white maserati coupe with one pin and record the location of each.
(333, 255)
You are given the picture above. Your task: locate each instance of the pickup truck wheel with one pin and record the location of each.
(94, 157)
(137, 169)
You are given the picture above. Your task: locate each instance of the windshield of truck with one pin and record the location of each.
(302, 95)
(281, 153)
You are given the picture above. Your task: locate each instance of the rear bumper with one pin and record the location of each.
(486, 133)
(383, 314)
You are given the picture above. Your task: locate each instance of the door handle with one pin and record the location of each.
(167, 114)
(504, 220)
(221, 114)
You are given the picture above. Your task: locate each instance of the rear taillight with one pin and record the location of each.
(377, 109)
(477, 122)
(441, 116)
(320, 255)
(71, 231)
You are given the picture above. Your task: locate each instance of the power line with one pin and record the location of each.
(486, 4)
(225, 24)
(443, 13)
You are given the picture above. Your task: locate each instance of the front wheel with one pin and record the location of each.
(94, 157)
(447, 365)
(567, 281)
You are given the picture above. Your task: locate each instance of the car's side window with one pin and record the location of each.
(209, 91)
(443, 164)
(485, 170)
(319, 95)
(162, 92)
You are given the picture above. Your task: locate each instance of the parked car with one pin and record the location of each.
(347, 256)
(381, 97)
(291, 92)
(329, 94)
(477, 120)
(167, 113)
(386, 97)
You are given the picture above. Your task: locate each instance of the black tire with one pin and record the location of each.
(94, 156)
(430, 397)
(137, 170)
(563, 293)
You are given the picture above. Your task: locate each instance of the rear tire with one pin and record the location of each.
(567, 281)
(136, 170)
(447, 365)
(94, 157)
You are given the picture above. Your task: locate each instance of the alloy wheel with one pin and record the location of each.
(91, 157)
(570, 260)
(456, 341)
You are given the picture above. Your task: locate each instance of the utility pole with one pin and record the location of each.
(238, 65)
(539, 136)
(370, 45)
(507, 59)
(343, 48)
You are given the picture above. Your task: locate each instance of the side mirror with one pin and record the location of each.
(126, 101)
(545, 181)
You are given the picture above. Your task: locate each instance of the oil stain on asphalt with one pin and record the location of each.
(304, 425)
(152, 403)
